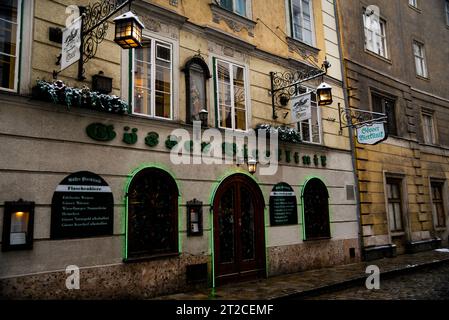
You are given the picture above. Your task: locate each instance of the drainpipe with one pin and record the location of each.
(350, 130)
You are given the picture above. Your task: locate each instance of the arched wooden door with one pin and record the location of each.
(239, 239)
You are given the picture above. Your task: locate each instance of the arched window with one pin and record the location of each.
(316, 210)
(197, 72)
(152, 214)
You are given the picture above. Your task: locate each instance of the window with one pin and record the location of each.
(310, 130)
(9, 43)
(394, 204)
(447, 12)
(413, 3)
(428, 128)
(375, 35)
(237, 6)
(302, 21)
(231, 95)
(153, 80)
(152, 214)
(438, 204)
(316, 210)
(420, 59)
(387, 106)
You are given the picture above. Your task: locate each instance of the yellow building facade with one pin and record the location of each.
(168, 226)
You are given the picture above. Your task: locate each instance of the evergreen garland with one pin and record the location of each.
(58, 93)
(285, 134)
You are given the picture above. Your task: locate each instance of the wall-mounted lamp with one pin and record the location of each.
(18, 224)
(252, 166)
(128, 31)
(324, 94)
(203, 117)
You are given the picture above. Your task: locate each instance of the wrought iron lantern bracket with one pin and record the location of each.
(94, 27)
(284, 85)
(355, 118)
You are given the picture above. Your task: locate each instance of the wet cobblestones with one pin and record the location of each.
(429, 283)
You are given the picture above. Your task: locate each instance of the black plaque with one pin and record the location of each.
(82, 206)
(283, 208)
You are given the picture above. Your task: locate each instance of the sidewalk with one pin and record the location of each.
(313, 281)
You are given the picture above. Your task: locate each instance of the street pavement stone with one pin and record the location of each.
(429, 283)
(308, 282)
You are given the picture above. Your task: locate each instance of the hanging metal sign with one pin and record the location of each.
(71, 42)
(372, 133)
(302, 107)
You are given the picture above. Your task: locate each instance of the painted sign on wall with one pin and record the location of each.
(371, 133)
(82, 206)
(283, 208)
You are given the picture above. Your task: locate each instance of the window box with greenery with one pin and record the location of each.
(58, 93)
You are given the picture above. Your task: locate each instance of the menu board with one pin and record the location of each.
(82, 206)
(283, 208)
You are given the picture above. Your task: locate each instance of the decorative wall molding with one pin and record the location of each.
(234, 21)
(303, 49)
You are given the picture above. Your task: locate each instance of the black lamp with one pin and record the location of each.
(128, 31)
(324, 94)
(203, 116)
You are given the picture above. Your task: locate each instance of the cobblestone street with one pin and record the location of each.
(430, 283)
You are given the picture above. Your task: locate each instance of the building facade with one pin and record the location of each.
(100, 189)
(392, 67)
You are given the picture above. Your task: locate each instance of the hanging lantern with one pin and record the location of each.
(324, 94)
(252, 166)
(128, 31)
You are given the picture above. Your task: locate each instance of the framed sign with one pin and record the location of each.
(82, 206)
(302, 107)
(71, 42)
(283, 206)
(372, 133)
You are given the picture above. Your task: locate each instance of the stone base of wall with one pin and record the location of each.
(137, 280)
(423, 245)
(379, 252)
(311, 255)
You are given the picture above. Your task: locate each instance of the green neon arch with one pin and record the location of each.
(306, 181)
(228, 173)
(125, 210)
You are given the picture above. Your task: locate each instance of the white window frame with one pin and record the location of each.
(18, 49)
(413, 3)
(312, 22)
(382, 35)
(166, 44)
(247, 9)
(320, 126)
(246, 89)
(420, 58)
(433, 138)
(447, 12)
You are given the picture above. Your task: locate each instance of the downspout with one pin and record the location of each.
(350, 130)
